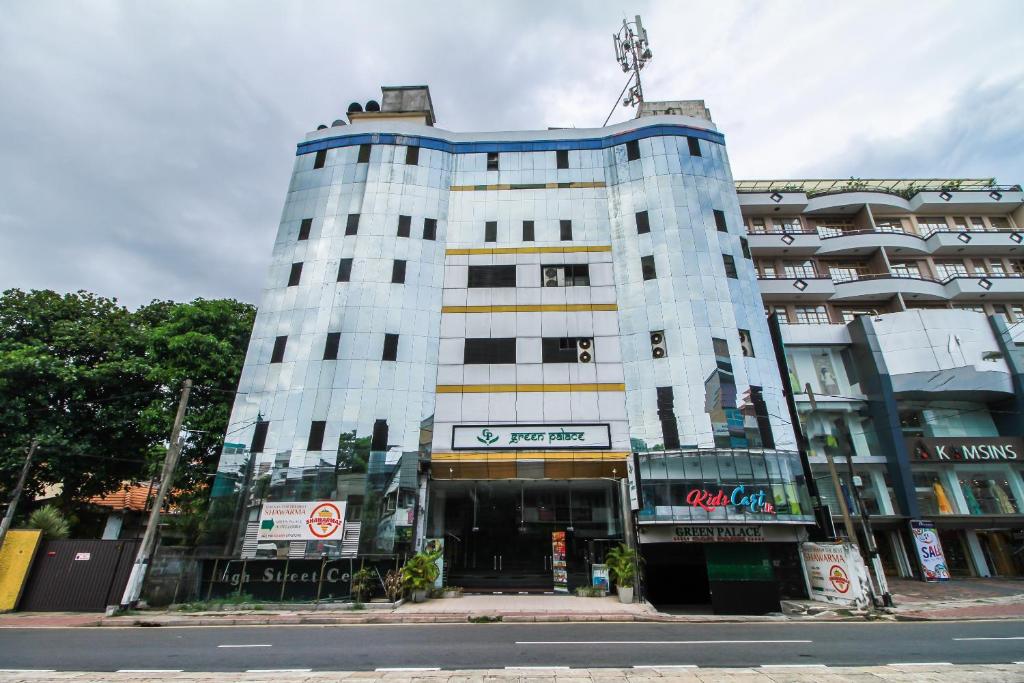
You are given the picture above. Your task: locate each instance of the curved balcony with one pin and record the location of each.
(974, 241)
(796, 289)
(837, 202)
(989, 286)
(803, 243)
(884, 285)
(865, 241)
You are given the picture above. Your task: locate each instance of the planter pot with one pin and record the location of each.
(419, 596)
(625, 594)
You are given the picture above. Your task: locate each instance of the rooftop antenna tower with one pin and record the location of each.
(632, 51)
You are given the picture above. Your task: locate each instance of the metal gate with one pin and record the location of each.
(78, 575)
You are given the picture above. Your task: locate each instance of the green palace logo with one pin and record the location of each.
(487, 437)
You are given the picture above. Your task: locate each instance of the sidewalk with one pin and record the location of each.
(958, 599)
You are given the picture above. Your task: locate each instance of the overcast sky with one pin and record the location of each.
(145, 147)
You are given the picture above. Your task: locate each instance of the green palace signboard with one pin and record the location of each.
(530, 437)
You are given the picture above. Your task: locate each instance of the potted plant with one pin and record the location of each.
(622, 564)
(419, 573)
(393, 585)
(362, 584)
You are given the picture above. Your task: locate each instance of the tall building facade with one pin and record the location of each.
(526, 347)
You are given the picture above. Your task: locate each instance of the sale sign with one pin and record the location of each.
(929, 550)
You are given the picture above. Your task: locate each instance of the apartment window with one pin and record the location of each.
(834, 227)
(498, 351)
(643, 223)
(345, 270)
(950, 269)
(430, 228)
(259, 437)
(1017, 267)
(666, 415)
(889, 225)
(1017, 310)
(786, 225)
(846, 272)
(632, 150)
(304, 227)
(694, 145)
(766, 270)
(647, 267)
(316, 435)
(398, 272)
(562, 349)
(730, 265)
(961, 225)
(331, 347)
(277, 355)
(795, 269)
(565, 230)
(569, 275)
(1001, 310)
(412, 155)
(850, 314)
(928, 226)
(905, 269)
(745, 247)
(720, 220)
(352, 224)
(390, 347)
(491, 231)
(996, 267)
(528, 231)
(320, 159)
(562, 158)
(404, 225)
(492, 161)
(781, 311)
(295, 274)
(491, 276)
(812, 315)
(364, 154)
(971, 307)
(757, 226)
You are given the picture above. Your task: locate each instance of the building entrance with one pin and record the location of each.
(497, 534)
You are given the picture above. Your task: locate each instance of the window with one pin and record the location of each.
(1017, 310)
(846, 272)
(908, 269)
(766, 270)
(491, 276)
(746, 344)
(331, 347)
(666, 414)
(404, 225)
(412, 155)
(643, 224)
(996, 267)
(561, 349)
(834, 227)
(352, 224)
(999, 223)
(430, 228)
(364, 154)
(694, 145)
(570, 275)
(320, 159)
(757, 226)
(498, 351)
(632, 150)
(304, 227)
(812, 315)
(850, 314)
(295, 274)
(647, 267)
(745, 247)
(730, 266)
(977, 223)
(971, 307)
(528, 231)
(565, 230)
(316, 435)
(398, 272)
(786, 225)
(259, 437)
(889, 225)
(345, 270)
(277, 355)
(390, 347)
(929, 225)
(912, 423)
(491, 231)
(720, 220)
(795, 269)
(562, 158)
(946, 270)
(492, 161)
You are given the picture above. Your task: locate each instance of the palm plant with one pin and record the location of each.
(622, 564)
(51, 521)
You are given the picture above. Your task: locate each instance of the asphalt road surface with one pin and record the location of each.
(496, 646)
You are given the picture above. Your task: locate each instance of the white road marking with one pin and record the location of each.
(664, 666)
(255, 645)
(149, 671)
(28, 671)
(920, 664)
(532, 668)
(794, 666)
(409, 668)
(277, 671)
(654, 642)
(994, 638)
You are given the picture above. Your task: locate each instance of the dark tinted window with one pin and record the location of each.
(304, 227)
(565, 230)
(496, 351)
(277, 355)
(364, 154)
(398, 271)
(352, 224)
(562, 158)
(730, 265)
(492, 161)
(295, 274)
(647, 266)
(316, 435)
(430, 228)
(331, 347)
(491, 231)
(320, 159)
(412, 155)
(390, 347)
(259, 437)
(345, 270)
(694, 144)
(643, 223)
(720, 221)
(492, 276)
(745, 246)
(666, 414)
(404, 225)
(528, 231)
(633, 150)
(559, 350)
(567, 275)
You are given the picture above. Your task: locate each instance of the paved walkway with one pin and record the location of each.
(536, 605)
(958, 599)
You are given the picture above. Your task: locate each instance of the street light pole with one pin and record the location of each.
(13, 504)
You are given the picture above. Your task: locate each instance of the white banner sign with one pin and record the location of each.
(929, 550)
(530, 436)
(835, 573)
(317, 521)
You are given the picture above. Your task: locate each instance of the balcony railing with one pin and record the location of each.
(853, 277)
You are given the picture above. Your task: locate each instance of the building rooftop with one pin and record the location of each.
(900, 186)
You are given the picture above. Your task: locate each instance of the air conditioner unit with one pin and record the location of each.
(585, 349)
(554, 277)
(658, 348)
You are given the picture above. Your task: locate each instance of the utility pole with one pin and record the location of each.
(840, 498)
(13, 504)
(134, 587)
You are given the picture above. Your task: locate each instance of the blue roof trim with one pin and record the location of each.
(507, 146)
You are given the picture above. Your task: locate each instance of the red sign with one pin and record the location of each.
(325, 520)
(712, 500)
(838, 578)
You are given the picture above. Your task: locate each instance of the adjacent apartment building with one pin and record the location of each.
(525, 347)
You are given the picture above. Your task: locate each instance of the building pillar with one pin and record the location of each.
(977, 556)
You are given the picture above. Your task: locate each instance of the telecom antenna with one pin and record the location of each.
(632, 51)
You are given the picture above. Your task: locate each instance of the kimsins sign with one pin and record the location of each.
(746, 499)
(530, 436)
(952, 449)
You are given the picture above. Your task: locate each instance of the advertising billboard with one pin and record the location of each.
(322, 520)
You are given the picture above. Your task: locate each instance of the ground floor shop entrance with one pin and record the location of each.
(497, 535)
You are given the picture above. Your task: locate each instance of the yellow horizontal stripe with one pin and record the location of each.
(530, 308)
(525, 388)
(527, 250)
(482, 456)
(528, 186)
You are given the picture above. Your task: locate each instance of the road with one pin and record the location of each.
(496, 646)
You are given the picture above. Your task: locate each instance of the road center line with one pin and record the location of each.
(654, 642)
(537, 668)
(994, 638)
(664, 666)
(920, 664)
(277, 671)
(28, 671)
(149, 671)
(255, 645)
(409, 668)
(794, 666)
